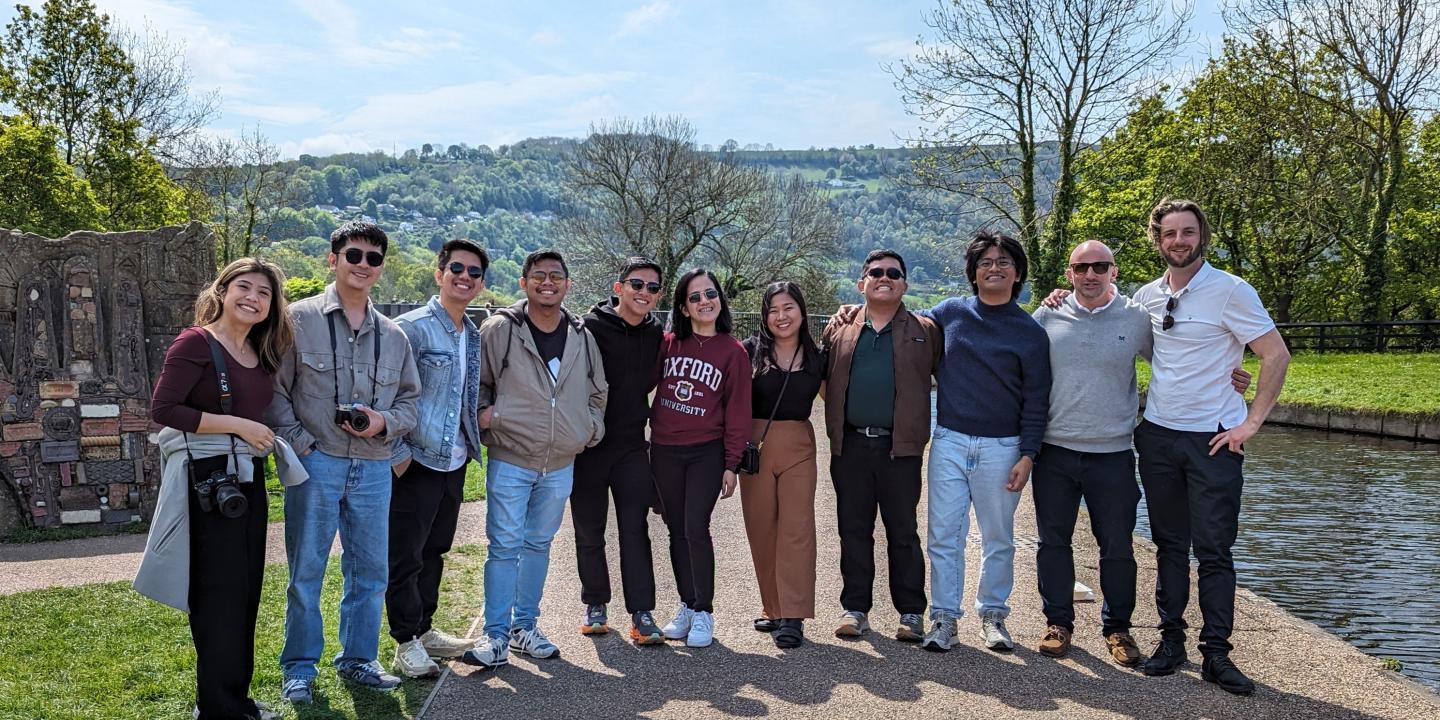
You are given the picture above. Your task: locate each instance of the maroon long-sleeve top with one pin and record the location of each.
(188, 386)
(703, 394)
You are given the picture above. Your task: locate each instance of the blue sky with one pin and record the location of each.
(324, 76)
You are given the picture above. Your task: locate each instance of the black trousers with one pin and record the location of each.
(688, 479)
(867, 478)
(1107, 482)
(424, 509)
(623, 472)
(1194, 501)
(227, 568)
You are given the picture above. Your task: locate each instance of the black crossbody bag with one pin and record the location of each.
(750, 457)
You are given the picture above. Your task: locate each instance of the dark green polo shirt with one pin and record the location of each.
(870, 398)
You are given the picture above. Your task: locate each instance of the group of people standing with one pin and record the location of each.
(372, 423)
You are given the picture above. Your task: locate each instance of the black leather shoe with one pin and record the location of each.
(791, 633)
(766, 625)
(1168, 656)
(1220, 670)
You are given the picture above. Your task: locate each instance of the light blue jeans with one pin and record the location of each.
(966, 471)
(523, 509)
(352, 496)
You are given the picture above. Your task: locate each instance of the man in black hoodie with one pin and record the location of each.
(629, 342)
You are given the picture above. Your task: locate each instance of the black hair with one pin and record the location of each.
(880, 254)
(984, 240)
(639, 262)
(362, 231)
(463, 244)
(765, 342)
(680, 322)
(539, 255)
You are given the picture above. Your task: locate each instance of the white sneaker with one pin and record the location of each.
(993, 632)
(702, 630)
(489, 653)
(412, 661)
(440, 645)
(532, 642)
(679, 628)
(941, 636)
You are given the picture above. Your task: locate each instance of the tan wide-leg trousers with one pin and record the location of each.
(779, 506)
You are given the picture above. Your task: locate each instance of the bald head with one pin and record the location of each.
(1093, 286)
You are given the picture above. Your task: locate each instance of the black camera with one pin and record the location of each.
(352, 414)
(220, 492)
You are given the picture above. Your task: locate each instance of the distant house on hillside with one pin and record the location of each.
(352, 209)
(387, 209)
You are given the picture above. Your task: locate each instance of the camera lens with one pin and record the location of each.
(230, 500)
(359, 420)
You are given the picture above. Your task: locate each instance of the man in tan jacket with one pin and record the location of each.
(542, 401)
(877, 412)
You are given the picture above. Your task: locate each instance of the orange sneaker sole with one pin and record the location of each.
(656, 639)
(594, 629)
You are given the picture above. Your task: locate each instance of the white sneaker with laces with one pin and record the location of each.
(412, 661)
(532, 642)
(993, 632)
(489, 653)
(679, 628)
(441, 645)
(702, 630)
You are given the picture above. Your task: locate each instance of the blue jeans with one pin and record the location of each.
(968, 470)
(523, 509)
(352, 496)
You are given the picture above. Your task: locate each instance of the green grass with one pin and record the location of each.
(73, 532)
(102, 652)
(474, 487)
(1379, 382)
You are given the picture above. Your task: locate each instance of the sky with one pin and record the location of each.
(327, 76)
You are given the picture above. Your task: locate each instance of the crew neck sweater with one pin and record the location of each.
(703, 394)
(1092, 357)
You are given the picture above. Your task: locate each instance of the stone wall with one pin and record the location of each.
(84, 324)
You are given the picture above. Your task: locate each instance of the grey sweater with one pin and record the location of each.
(1093, 400)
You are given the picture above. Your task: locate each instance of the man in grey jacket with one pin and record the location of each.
(345, 393)
(542, 399)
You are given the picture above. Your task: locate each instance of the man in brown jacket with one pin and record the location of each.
(877, 413)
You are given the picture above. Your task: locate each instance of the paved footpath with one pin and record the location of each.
(1302, 672)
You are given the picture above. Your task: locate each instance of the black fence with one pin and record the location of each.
(1402, 336)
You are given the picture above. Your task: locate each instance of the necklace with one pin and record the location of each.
(244, 347)
(700, 340)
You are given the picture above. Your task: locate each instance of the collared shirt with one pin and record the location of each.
(314, 376)
(1102, 308)
(870, 400)
(1092, 365)
(1216, 315)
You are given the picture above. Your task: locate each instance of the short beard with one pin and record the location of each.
(1197, 253)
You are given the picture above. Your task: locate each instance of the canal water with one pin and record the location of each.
(1344, 531)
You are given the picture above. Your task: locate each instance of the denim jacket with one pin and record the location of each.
(435, 342)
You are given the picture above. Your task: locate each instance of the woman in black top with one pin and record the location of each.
(779, 500)
(244, 311)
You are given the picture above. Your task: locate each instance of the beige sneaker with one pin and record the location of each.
(853, 624)
(412, 661)
(439, 645)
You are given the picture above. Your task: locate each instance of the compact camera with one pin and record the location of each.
(352, 414)
(220, 491)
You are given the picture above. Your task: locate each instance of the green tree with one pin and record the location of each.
(133, 187)
(39, 193)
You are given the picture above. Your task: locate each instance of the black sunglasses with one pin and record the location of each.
(710, 294)
(637, 285)
(371, 258)
(473, 271)
(890, 272)
(1099, 266)
(1169, 320)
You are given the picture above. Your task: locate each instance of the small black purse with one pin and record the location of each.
(750, 456)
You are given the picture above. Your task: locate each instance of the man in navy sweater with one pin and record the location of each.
(994, 393)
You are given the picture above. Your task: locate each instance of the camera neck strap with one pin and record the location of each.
(783, 384)
(335, 354)
(222, 380)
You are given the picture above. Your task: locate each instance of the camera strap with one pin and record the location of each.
(783, 384)
(335, 354)
(227, 402)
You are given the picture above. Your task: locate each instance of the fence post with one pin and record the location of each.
(1322, 339)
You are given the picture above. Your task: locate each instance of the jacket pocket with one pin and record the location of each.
(318, 377)
(387, 384)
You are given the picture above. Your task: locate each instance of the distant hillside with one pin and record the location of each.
(507, 199)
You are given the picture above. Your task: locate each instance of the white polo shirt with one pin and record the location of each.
(1216, 316)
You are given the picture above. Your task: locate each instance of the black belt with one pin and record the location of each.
(870, 432)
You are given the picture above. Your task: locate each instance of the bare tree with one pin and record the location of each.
(1390, 50)
(160, 103)
(246, 185)
(1005, 78)
(642, 188)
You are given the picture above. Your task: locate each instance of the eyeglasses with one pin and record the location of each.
(1099, 266)
(637, 285)
(1001, 263)
(1169, 320)
(473, 271)
(371, 258)
(710, 294)
(889, 272)
(554, 276)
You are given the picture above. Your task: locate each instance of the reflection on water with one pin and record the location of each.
(1344, 531)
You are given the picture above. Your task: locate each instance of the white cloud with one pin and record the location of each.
(327, 144)
(357, 44)
(644, 18)
(280, 114)
(546, 38)
(892, 49)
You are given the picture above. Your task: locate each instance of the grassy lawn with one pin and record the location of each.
(1389, 382)
(102, 651)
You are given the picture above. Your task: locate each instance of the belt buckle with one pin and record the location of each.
(870, 432)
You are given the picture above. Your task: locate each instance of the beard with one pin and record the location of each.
(1196, 253)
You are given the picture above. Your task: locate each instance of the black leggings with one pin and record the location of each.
(688, 479)
(227, 567)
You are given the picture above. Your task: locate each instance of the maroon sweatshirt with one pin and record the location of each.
(703, 394)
